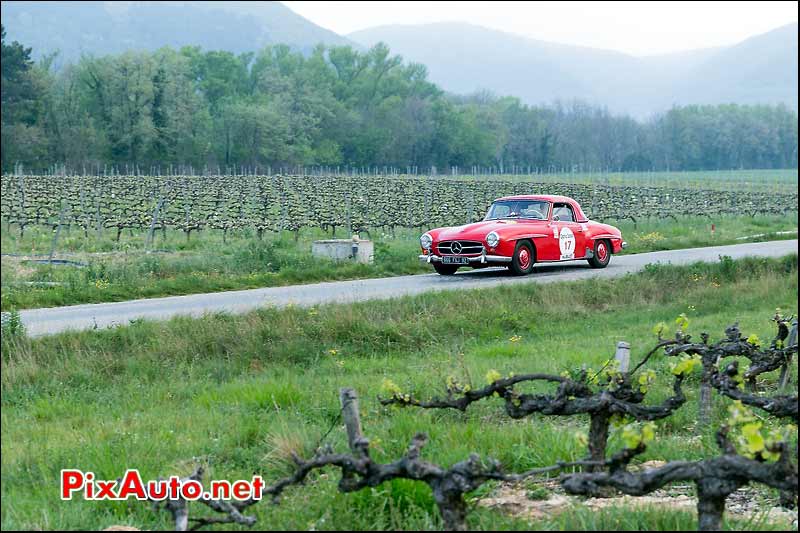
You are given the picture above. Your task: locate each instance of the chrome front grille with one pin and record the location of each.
(467, 248)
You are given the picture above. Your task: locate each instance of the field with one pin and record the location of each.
(267, 204)
(241, 393)
(131, 242)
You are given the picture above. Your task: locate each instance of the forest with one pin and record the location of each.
(277, 108)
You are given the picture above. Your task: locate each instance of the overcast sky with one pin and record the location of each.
(638, 28)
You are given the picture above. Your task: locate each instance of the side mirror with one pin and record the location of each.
(556, 218)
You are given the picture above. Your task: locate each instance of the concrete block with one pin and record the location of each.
(342, 250)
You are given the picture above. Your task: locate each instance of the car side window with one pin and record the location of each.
(564, 213)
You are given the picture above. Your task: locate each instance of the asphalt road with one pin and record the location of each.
(88, 316)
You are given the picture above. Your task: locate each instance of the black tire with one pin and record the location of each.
(523, 259)
(601, 255)
(445, 270)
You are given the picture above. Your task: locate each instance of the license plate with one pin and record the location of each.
(455, 260)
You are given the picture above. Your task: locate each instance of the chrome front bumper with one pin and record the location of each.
(482, 259)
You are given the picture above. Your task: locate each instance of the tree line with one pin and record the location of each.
(339, 106)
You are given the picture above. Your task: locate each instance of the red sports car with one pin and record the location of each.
(519, 231)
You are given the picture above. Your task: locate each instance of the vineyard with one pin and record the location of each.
(276, 203)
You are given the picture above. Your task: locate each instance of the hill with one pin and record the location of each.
(101, 28)
(461, 58)
(464, 58)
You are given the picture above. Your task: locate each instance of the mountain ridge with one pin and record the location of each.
(101, 28)
(461, 58)
(639, 85)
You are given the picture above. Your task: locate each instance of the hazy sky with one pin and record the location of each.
(639, 28)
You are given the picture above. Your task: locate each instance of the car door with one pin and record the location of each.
(571, 235)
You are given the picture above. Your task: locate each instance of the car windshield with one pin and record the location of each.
(531, 209)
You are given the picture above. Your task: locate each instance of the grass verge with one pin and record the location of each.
(118, 271)
(240, 393)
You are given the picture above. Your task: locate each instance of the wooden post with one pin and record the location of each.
(284, 210)
(704, 412)
(348, 214)
(22, 216)
(791, 341)
(58, 230)
(425, 206)
(705, 403)
(98, 222)
(149, 240)
(623, 355)
(352, 420)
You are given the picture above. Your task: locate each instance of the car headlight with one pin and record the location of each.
(492, 239)
(426, 241)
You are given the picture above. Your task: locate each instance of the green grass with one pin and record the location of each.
(239, 393)
(123, 271)
(695, 232)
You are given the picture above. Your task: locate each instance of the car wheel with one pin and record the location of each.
(602, 254)
(445, 270)
(523, 259)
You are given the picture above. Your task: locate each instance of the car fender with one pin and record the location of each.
(604, 231)
(530, 239)
(604, 236)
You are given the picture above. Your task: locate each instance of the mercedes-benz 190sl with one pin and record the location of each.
(519, 231)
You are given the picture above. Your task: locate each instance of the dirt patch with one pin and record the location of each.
(747, 502)
(515, 502)
(679, 502)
